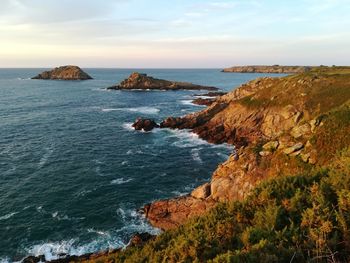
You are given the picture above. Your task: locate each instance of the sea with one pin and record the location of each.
(73, 172)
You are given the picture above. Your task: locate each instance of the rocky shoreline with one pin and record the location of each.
(278, 129)
(271, 134)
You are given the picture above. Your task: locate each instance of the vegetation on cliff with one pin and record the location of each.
(296, 218)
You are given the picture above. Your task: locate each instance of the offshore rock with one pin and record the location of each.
(145, 124)
(138, 81)
(64, 73)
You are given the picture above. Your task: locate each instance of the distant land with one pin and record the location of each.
(268, 69)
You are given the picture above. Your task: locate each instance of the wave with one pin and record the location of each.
(101, 233)
(5, 217)
(45, 157)
(144, 110)
(186, 138)
(131, 152)
(121, 181)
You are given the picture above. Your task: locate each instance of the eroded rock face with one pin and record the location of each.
(145, 124)
(168, 214)
(263, 134)
(138, 81)
(64, 73)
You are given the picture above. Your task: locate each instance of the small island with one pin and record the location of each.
(64, 73)
(268, 69)
(138, 81)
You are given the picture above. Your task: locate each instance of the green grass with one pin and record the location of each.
(304, 217)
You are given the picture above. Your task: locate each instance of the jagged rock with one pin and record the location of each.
(168, 214)
(305, 157)
(271, 146)
(313, 157)
(203, 102)
(264, 153)
(212, 94)
(139, 240)
(145, 124)
(140, 81)
(314, 124)
(34, 259)
(202, 191)
(294, 148)
(300, 131)
(64, 73)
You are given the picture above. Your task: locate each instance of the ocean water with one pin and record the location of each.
(72, 171)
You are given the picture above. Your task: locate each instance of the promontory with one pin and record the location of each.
(64, 73)
(268, 69)
(138, 81)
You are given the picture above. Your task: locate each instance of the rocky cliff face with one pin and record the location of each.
(268, 69)
(274, 124)
(64, 73)
(143, 82)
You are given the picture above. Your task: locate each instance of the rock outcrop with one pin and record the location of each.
(64, 73)
(145, 124)
(137, 81)
(268, 69)
(208, 98)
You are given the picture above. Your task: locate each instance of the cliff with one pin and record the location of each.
(64, 73)
(268, 69)
(137, 81)
(279, 126)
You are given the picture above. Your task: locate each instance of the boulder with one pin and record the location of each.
(201, 192)
(271, 146)
(300, 131)
(138, 81)
(295, 148)
(139, 239)
(264, 153)
(64, 73)
(145, 124)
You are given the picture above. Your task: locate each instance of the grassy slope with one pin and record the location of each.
(301, 216)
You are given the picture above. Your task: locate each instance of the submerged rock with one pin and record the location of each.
(140, 81)
(64, 73)
(145, 124)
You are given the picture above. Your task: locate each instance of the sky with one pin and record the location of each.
(173, 34)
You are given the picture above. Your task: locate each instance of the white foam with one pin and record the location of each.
(5, 217)
(121, 181)
(101, 233)
(45, 157)
(144, 110)
(4, 260)
(128, 126)
(195, 155)
(131, 152)
(186, 138)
